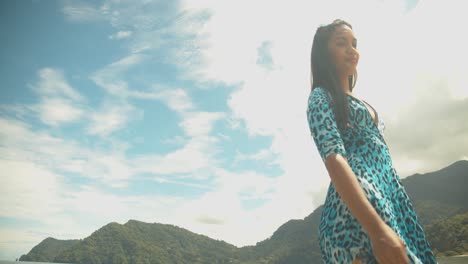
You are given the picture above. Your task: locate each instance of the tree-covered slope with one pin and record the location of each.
(139, 242)
(48, 249)
(449, 236)
(438, 197)
(440, 194)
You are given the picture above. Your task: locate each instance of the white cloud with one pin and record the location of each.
(54, 111)
(110, 78)
(263, 154)
(249, 184)
(154, 26)
(82, 12)
(177, 140)
(193, 157)
(35, 190)
(16, 242)
(200, 148)
(419, 151)
(417, 87)
(398, 52)
(52, 82)
(194, 123)
(220, 216)
(58, 102)
(35, 195)
(199, 123)
(108, 163)
(23, 143)
(396, 68)
(220, 213)
(176, 99)
(116, 169)
(121, 35)
(111, 117)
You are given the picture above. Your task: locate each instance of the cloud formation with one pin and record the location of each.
(261, 51)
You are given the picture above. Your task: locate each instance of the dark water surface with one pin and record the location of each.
(25, 262)
(444, 260)
(453, 260)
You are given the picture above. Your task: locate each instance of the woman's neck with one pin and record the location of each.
(345, 85)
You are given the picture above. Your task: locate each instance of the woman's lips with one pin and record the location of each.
(352, 61)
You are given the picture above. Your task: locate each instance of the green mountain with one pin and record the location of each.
(440, 194)
(139, 242)
(438, 198)
(449, 236)
(295, 242)
(48, 249)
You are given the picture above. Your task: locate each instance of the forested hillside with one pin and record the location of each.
(438, 197)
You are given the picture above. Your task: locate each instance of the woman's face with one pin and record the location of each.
(343, 50)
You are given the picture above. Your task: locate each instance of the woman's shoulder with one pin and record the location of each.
(319, 94)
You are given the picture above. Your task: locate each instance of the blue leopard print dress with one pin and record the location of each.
(341, 236)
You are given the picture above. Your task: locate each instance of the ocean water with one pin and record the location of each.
(28, 262)
(444, 260)
(453, 260)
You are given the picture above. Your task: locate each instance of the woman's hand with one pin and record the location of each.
(388, 247)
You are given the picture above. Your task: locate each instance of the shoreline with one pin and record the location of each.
(462, 255)
(454, 256)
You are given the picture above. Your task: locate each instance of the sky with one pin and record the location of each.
(193, 113)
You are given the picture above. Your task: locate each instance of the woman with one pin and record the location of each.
(367, 216)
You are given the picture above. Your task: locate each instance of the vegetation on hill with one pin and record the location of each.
(138, 242)
(449, 237)
(444, 218)
(48, 249)
(440, 194)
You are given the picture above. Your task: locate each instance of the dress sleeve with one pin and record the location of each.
(381, 126)
(323, 126)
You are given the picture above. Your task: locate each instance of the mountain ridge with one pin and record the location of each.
(294, 242)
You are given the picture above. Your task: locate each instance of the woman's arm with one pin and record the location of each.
(388, 248)
(386, 244)
(349, 189)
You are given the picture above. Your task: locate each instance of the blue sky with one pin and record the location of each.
(193, 112)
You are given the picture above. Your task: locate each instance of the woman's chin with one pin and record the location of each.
(351, 70)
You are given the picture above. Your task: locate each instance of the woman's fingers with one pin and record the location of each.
(393, 255)
(394, 260)
(402, 257)
(388, 247)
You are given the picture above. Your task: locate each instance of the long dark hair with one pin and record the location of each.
(325, 75)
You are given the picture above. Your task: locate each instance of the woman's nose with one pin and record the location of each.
(352, 51)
